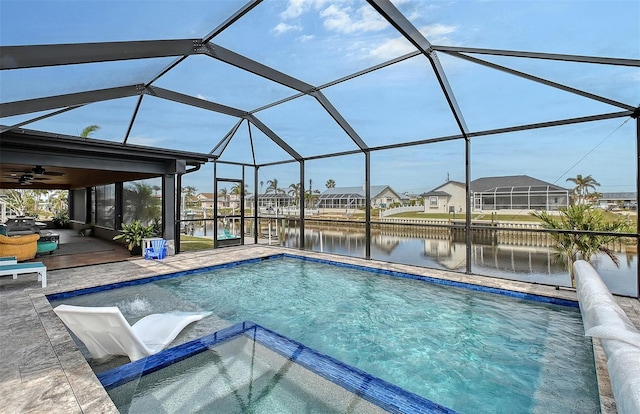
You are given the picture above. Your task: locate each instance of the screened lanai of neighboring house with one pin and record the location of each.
(521, 198)
(408, 93)
(271, 200)
(341, 200)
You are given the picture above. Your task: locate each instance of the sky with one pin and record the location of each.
(318, 41)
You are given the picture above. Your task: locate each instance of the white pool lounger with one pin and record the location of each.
(106, 333)
(16, 269)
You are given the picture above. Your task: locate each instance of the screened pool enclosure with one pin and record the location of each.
(285, 97)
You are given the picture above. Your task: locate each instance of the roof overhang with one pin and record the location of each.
(74, 162)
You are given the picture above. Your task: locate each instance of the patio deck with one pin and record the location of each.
(42, 369)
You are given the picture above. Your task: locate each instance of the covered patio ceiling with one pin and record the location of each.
(33, 159)
(196, 83)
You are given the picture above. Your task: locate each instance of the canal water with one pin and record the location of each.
(519, 257)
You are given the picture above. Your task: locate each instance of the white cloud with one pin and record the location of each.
(305, 38)
(344, 20)
(283, 28)
(437, 33)
(337, 15)
(295, 9)
(144, 140)
(392, 48)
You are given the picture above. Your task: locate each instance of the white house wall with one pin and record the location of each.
(441, 204)
(386, 198)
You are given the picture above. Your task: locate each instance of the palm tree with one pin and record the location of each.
(59, 200)
(574, 246)
(330, 183)
(593, 198)
(141, 204)
(294, 191)
(583, 184)
(272, 187)
(189, 195)
(89, 130)
(311, 196)
(156, 188)
(224, 195)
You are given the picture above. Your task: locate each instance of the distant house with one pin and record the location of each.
(515, 192)
(206, 200)
(622, 200)
(448, 198)
(269, 201)
(382, 196)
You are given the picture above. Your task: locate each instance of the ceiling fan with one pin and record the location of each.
(27, 179)
(36, 172)
(39, 170)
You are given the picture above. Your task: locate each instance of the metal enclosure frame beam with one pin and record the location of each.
(193, 101)
(68, 100)
(250, 65)
(413, 35)
(274, 137)
(542, 81)
(22, 57)
(538, 55)
(256, 68)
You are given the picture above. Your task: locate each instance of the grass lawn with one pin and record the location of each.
(192, 243)
(524, 217)
(459, 216)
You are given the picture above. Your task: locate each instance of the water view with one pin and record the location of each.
(522, 256)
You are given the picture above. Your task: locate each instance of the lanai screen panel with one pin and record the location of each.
(557, 154)
(601, 79)
(400, 103)
(166, 124)
(31, 83)
(249, 145)
(565, 27)
(61, 21)
(307, 127)
(111, 116)
(491, 99)
(315, 42)
(208, 78)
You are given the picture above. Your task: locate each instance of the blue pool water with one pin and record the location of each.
(471, 351)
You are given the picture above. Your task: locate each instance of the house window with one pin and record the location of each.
(433, 201)
(105, 205)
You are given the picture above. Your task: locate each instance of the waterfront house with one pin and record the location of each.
(206, 200)
(270, 202)
(492, 194)
(620, 200)
(517, 193)
(382, 196)
(447, 198)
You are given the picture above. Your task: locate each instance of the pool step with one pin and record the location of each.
(552, 396)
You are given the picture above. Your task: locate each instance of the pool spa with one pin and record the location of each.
(468, 348)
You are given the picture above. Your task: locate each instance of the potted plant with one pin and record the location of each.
(132, 235)
(60, 220)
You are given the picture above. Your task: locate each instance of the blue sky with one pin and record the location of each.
(318, 41)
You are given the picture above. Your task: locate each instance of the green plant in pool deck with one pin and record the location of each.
(60, 219)
(572, 246)
(133, 233)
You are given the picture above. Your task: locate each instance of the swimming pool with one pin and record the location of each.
(247, 368)
(468, 350)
